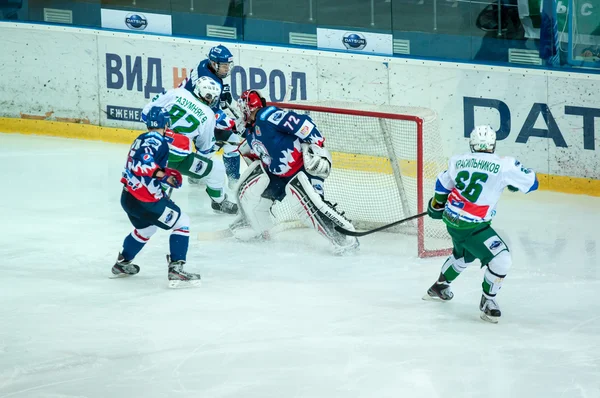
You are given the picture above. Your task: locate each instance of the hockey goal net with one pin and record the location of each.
(385, 163)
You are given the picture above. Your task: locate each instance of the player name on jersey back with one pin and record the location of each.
(191, 105)
(480, 164)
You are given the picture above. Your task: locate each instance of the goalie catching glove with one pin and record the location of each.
(317, 160)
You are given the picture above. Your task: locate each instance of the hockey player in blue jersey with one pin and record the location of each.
(291, 161)
(148, 207)
(218, 66)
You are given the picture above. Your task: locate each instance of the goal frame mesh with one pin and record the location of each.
(421, 249)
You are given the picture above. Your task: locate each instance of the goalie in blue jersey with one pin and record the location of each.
(288, 159)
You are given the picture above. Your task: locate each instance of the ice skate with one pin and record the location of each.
(490, 310)
(178, 278)
(440, 290)
(124, 268)
(225, 206)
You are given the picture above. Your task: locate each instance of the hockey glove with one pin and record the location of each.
(172, 178)
(317, 160)
(226, 98)
(434, 210)
(512, 189)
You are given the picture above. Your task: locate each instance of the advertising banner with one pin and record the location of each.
(142, 22)
(348, 40)
(549, 120)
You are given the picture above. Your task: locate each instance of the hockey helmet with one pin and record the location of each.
(221, 61)
(249, 102)
(208, 91)
(158, 118)
(483, 139)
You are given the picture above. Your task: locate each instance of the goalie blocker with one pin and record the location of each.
(257, 193)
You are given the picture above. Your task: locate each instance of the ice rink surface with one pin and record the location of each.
(283, 319)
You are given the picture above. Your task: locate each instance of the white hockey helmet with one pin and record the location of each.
(207, 90)
(483, 139)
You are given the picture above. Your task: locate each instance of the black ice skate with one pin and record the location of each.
(490, 310)
(440, 290)
(225, 206)
(178, 278)
(124, 268)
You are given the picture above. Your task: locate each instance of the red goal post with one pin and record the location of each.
(385, 163)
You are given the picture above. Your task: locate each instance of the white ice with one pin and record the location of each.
(283, 319)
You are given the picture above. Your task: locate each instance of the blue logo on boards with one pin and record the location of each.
(354, 41)
(136, 21)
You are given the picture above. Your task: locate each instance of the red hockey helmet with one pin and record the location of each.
(249, 102)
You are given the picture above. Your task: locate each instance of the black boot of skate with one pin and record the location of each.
(225, 206)
(490, 310)
(124, 268)
(440, 290)
(178, 278)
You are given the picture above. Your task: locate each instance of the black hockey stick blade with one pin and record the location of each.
(363, 233)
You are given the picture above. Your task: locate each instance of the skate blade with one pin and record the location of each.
(223, 213)
(119, 276)
(487, 318)
(427, 297)
(176, 284)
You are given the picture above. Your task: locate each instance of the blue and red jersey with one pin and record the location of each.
(276, 137)
(148, 154)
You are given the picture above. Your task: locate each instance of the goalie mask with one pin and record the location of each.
(483, 139)
(208, 91)
(250, 101)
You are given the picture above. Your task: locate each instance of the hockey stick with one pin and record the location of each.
(363, 233)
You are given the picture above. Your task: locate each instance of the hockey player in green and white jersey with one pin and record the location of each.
(193, 120)
(465, 199)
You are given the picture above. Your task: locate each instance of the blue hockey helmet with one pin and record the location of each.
(158, 118)
(221, 61)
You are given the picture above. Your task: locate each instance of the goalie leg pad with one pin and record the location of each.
(319, 214)
(255, 207)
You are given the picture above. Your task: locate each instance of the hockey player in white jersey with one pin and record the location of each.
(465, 199)
(192, 119)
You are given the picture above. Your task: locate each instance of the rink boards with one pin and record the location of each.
(547, 119)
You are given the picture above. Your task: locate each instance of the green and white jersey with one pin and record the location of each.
(473, 184)
(189, 116)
